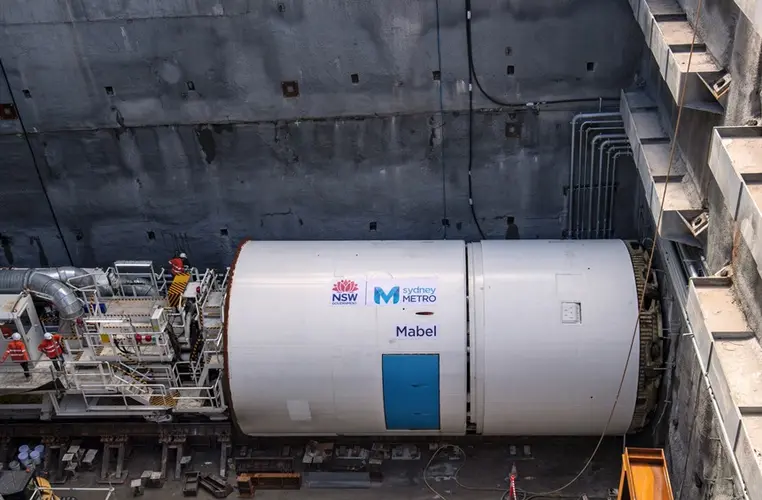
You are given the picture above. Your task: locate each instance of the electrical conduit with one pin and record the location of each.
(580, 116)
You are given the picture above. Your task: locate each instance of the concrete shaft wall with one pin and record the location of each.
(158, 125)
(700, 467)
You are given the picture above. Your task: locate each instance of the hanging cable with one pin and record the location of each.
(440, 126)
(670, 163)
(515, 105)
(473, 78)
(471, 125)
(34, 162)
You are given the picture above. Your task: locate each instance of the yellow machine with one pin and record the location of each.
(644, 475)
(25, 485)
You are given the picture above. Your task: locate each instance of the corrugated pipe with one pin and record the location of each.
(135, 287)
(78, 277)
(62, 297)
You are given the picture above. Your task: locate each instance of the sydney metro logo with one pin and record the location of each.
(345, 292)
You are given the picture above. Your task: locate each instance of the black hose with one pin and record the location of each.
(34, 162)
(473, 78)
(445, 221)
(471, 122)
(472, 69)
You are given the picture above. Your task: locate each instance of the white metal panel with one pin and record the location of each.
(551, 331)
(299, 363)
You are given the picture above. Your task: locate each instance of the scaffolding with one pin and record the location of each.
(144, 346)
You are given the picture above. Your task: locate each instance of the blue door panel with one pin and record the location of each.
(411, 391)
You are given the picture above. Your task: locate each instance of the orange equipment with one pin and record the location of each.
(644, 475)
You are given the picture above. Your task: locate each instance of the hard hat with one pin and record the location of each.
(16, 336)
(48, 336)
(183, 256)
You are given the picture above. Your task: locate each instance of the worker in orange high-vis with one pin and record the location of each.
(51, 347)
(178, 266)
(17, 351)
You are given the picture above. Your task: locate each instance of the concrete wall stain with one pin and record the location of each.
(7, 244)
(173, 121)
(206, 142)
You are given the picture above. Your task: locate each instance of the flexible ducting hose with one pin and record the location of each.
(62, 297)
(134, 287)
(79, 277)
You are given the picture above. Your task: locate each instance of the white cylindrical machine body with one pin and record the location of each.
(372, 338)
(362, 337)
(552, 324)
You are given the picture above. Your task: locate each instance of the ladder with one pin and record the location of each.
(644, 475)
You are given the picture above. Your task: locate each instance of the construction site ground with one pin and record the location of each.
(553, 462)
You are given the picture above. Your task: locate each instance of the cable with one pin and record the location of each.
(34, 162)
(670, 163)
(502, 491)
(473, 78)
(445, 222)
(471, 123)
(472, 69)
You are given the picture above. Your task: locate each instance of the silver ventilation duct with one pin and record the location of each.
(79, 278)
(75, 276)
(42, 281)
(129, 287)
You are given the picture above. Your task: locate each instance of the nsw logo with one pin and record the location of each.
(391, 297)
(345, 292)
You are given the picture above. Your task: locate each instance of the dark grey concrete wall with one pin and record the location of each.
(699, 465)
(195, 144)
(734, 42)
(207, 187)
(237, 53)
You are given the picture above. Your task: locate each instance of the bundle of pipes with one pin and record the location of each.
(607, 133)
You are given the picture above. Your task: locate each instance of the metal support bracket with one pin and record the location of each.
(224, 440)
(119, 444)
(176, 443)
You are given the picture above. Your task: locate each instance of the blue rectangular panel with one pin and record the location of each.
(411, 391)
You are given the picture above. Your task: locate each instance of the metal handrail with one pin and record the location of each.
(207, 283)
(34, 367)
(94, 339)
(214, 393)
(105, 372)
(41, 492)
(160, 389)
(130, 370)
(223, 286)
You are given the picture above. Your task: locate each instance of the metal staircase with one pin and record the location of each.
(99, 381)
(123, 355)
(204, 369)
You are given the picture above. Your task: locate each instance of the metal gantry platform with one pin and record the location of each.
(150, 348)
